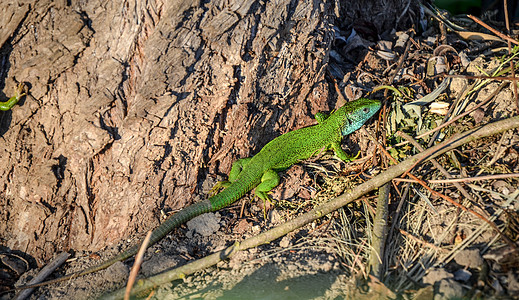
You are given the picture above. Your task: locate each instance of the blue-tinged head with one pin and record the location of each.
(354, 114)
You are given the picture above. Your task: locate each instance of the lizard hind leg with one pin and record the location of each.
(18, 94)
(269, 180)
(236, 169)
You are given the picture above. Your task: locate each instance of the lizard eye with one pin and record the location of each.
(366, 110)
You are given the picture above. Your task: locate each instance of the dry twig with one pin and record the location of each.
(468, 179)
(136, 266)
(46, 271)
(494, 31)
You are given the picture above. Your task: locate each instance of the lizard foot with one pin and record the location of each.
(218, 186)
(266, 199)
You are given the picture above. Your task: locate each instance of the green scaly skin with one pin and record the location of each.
(260, 171)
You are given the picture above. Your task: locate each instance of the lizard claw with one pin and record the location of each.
(352, 158)
(266, 198)
(19, 90)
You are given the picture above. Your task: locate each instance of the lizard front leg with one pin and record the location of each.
(336, 146)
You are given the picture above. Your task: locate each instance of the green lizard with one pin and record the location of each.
(7, 105)
(260, 171)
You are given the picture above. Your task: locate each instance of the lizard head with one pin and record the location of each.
(356, 113)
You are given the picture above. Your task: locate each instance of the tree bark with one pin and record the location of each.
(132, 104)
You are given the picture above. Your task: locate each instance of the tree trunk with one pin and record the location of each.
(132, 105)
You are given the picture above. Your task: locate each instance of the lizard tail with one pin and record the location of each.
(172, 222)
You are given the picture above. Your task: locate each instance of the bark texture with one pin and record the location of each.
(132, 104)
